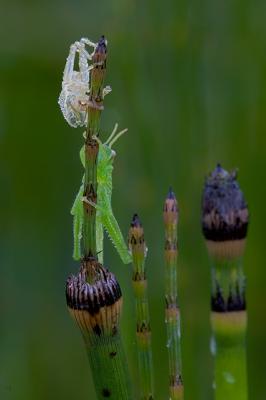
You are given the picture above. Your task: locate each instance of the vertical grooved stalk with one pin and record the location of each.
(106, 355)
(172, 311)
(95, 106)
(143, 330)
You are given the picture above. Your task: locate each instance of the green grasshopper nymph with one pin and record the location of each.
(104, 214)
(73, 100)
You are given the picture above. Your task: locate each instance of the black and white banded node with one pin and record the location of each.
(95, 306)
(225, 214)
(235, 300)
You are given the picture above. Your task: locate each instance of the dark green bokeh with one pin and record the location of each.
(189, 81)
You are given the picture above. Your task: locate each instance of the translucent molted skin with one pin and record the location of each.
(73, 99)
(70, 102)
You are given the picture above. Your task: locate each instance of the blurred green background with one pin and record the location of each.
(189, 81)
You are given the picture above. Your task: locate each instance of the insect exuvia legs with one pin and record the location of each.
(88, 42)
(106, 90)
(83, 64)
(69, 68)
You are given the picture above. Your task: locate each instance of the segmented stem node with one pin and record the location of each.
(172, 312)
(96, 306)
(138, 250)
(95, 106)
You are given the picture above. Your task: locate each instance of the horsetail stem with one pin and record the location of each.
(224, 224)
(95, 106)
(143, 332)
(96, 307)
(172, 311)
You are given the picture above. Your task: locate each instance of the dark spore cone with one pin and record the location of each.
(224, 209)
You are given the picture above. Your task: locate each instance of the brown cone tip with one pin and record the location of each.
(136, 240)
(171, 194)
(224, 209)
(100, 53)
(170, 209)
(102, 45)
(136, 232)
(135, 223)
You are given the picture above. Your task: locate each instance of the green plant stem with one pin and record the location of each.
(172, 311)
(109, 366)
(229, 350)
(95, 106)
(143, 330)
(228, 320)
(224, 223)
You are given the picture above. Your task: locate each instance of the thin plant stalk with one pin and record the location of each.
(224, 223)
(143, 331)
(95, 106)
(172, 310)
(94, 296)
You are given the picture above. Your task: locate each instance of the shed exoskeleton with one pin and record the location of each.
(74, 96)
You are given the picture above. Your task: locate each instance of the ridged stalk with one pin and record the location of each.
(95, 106)
(143, 331)
(224, 223)
(172, 310)
(96, 307)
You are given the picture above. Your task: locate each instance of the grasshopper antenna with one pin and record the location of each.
(117, 137)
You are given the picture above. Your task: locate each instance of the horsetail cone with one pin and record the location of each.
(224, 215)
(94, 300)
(225, 220)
